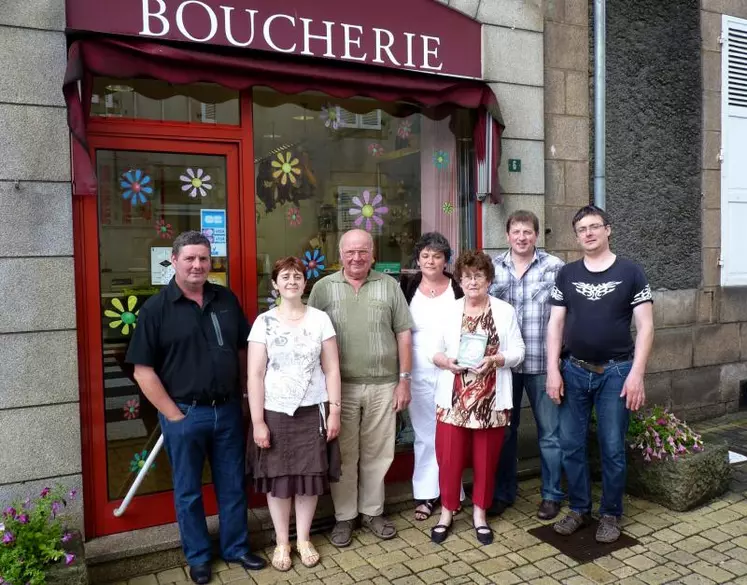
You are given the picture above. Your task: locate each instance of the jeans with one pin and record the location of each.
(546, 413)
(584, 390)
(215, 432)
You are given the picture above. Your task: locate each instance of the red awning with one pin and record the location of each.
(135, 58)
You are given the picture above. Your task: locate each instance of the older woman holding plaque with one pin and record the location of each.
(477, 345)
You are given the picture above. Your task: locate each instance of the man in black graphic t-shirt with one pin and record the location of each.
(592, 361)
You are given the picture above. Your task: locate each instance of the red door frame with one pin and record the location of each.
(236, 144)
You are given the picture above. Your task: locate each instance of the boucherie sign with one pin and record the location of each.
(416, 35)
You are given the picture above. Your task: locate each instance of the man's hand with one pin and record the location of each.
(177, 417)
(554, 385)
(633, 391)
(333, 425)
(402, 396)
(261, 435)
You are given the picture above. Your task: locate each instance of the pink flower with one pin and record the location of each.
(72, 494)
(367, 210)
(131, 409)
(23, 518)
(8, 537)
(45, 492)
(69, 558)
(661, 421)
(67, 537)
(10, 512)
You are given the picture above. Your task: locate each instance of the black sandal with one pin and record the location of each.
(484, 534)
(429, 504)
(440, 532)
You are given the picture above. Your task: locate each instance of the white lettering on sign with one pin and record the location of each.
(349, 40)
(307, 36)
(148, 16)
(229, 32)
(314, 38)
(183, 29)
(268, 37)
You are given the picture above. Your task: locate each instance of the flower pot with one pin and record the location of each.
(692, 480)
(74, 574)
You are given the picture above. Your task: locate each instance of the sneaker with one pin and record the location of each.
(572, 522)
(548, 509)
(609, 529)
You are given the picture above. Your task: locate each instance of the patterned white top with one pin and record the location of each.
(294, 375)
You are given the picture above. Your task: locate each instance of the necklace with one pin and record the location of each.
(432, 292)
(290, 318)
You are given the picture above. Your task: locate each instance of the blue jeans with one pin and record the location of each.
(546, 414)
(584, 390)
(215, 433)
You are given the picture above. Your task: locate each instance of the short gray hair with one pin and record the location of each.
(190, 238)
(434, 241)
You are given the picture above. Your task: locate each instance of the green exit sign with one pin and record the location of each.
(514, 165)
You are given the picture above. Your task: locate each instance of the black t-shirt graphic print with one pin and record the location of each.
(599, 308)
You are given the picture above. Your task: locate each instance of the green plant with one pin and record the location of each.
(658, 434)
(32, 538)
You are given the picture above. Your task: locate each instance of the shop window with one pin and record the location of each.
(147, 99)
(324, 166)
(145, 200)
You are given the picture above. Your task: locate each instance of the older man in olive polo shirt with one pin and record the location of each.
(373, 323)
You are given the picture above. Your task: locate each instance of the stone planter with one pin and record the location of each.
(681, 485)
(75, 574)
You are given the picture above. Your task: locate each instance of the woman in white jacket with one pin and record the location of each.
(474, 400)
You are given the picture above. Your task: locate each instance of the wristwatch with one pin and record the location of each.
(405, 376)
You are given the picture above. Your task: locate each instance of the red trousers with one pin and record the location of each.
(454, 448)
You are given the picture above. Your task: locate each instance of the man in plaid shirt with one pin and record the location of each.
(524, 277)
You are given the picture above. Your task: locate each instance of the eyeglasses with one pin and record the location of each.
(354, 253)
(476, 277)
(595, 227)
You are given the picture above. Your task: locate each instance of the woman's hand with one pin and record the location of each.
(452, 365)
(333, 426)
(489, 363)
(261, 435)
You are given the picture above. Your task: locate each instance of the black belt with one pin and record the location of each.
(218, 401)
(599, 367)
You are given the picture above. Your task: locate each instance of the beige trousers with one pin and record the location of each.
(367, 434)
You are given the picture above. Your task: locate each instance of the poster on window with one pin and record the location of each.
(161, 269)
(213, 226)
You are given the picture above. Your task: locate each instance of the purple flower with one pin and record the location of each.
(27, 503)
(56, 507)
(8, 537)
(45, 492)
(69, 558)
(72, 494)
(67, 537)
(23, 518)
(10, 512)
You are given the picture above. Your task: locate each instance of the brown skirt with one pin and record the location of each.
(299, 461)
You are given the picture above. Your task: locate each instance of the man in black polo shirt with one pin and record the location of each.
(593, 302)
(186, 355)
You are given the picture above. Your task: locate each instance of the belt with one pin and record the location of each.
(596, 367)
(220, 400)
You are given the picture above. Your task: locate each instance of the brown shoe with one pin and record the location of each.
(379, 525)
(572, 522)
(342, 533)
(548, 509)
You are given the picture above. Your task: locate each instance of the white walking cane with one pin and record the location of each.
(140, 477)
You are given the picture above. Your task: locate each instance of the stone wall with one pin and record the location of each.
(39, 401)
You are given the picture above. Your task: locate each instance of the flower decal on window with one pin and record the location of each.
(138, 461)
(448, 208)
(375, 149)
(367, 210)
(131, 409)
(294, 216)
(286, 168)
(123, 318)
(136, 185)
(404, 129)
(196, 182)
(329, 116)
(164, 230)
(273, 300)
(441, 159)
(314, 262)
